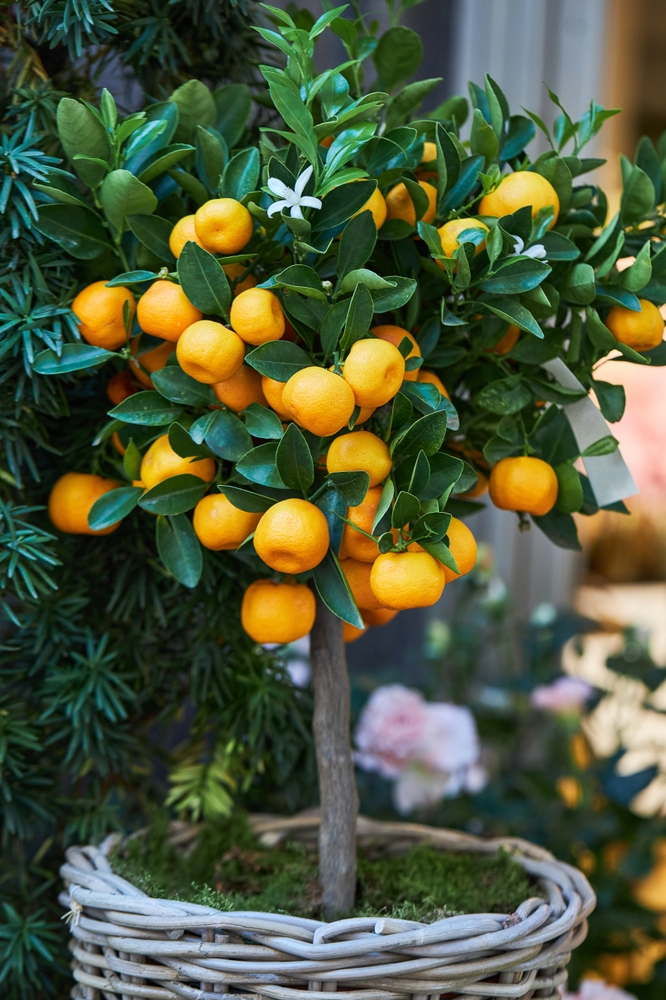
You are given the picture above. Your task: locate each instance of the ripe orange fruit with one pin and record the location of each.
(365, 414)
(219, 525)
(358, 578)
(223, 225)
(234, 271)
(292, 536)
(100, 313)
(378, 616)
(399, 204)
(462, 544)
(153, 360)
(273, 392)
(120, 386)
(355, 545)
(478, 489)
(243, 388)
(161, 462)
(277, 612)
(350, 633)
(183, 232)
(209, 352)
(318, 400)
(425, 375)
(395, 335)
(517, 190)
(360, 451)
(642, 330)
(509, 340)
(374, 369)
(165, 311)
(450, 231)
(256, 316)
(327, 141)
(376, 204)
(524, 483)
(401, 580)
(70, 501)
(429, 152)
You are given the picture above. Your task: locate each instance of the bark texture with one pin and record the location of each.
(337, 783)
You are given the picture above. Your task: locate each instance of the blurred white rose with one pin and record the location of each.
(390, 729)
(566, 694)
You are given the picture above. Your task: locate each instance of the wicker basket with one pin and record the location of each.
(126, 944)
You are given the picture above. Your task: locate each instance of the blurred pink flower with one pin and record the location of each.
(450, 741)
(596, 989)
(390, 729)
(566, 694)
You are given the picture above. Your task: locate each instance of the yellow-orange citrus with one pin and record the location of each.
(223, 225)
(376, 204)
(378, 616)
(164, 310)
(374, 369)
(365, 414)
(292, 536)
(358, 578)
(100, 311)
(524, 483)
(318, 400)
(242, 389)
(350, 633)
(219, 525)
(234, 271)
(70, 501)
(401, 580)
(462, 544)
(429, 152)
(360, 451)
(355, 545)
(153, 360)
(161, 462)
(425, 375)
(183, 232)
(479, 488)
(509, 340)
(642, 330)
(517, 190)
(399, 204)
(256, 316)
(209, 351)
(273, 392)
(327, 141)
(395, 335)
(450, 231)
(277, 612)
(120, 386)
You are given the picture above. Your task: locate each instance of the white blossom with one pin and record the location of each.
(538, 251)
(293, 200)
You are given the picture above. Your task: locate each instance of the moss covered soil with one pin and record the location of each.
(228, 869)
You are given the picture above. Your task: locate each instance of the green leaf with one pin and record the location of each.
(483, 141)
(426, 434)
(405, 509)
(397, 56)
(203, 280)
(431, 528)
(570, 488)
(123, 194)
(211, 157)
(332, 325)
(241, 174)
(359, 317)
(558, 247)
(579, 285)
(294, 460)
(195, 107)
(385, 501)
(389, 299)
(262, 423)
(182, 443)
(234, 104)
(132, 461)
(598, 332)
(191, 185)
(146, 408)
(279, 359)
(356, 244)
(153, 232)
(362, 276)
(516, 276)
(334, 590)
(505, 395)
(441, 552)
(604, 446)
(637, 196)
(81, 133)
(179, 387)
(408, 98)
(342, 203)
(556, 170)
(77, 230)
(259, 466)
(253, 503)
(611, 399)
(227, 437)
(513, 312)
(299, 278)
(164, 160)
(132, 278)
(352, 486)
(73, 358)
(560, 528)
(174, 495)
(113, 506)
(179, 548)
(637, 276)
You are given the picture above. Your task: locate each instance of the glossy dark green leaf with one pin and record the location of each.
(616, 295)
(560, 528)
(147, 408)
(604, 446)
(82, 133)
(253, 503)
(175, 495)
(195, 106)
(294, 460)
(505, 395)
(333, 506)
(279, 359)
(203, 280)
(357, 243)
(397, 56)
(579, 285)
(405, 509)
(299, 278)
(334, 590)
(424, 396)
(183, 445)
(420, 477)
(558, 247)
(123, 194)
(227, 437)
(234, 104)
(179, 387)
(113, 506)
(332, 325)
(211, 157)
(431, 528)
(514, 312)
(470, 169)
(359, 317)
(163, 160)
(259, 465)
(516, 276)
(153, 232)
(262, 423)
(241, 174)
(611, 398)
(441, 552)
(388, 299)
(132, 278)
(78, 231)
(342, 203)
(483, 141)
(426, 434)
(179, 548)
(73, 358)
(352, 486)
(132, 461)
(384, 505)
(638, 196)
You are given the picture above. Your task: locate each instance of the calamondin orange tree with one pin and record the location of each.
(324, 347)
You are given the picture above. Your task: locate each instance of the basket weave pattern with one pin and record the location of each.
(126, 944)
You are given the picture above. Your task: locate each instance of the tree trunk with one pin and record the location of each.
(337, 783)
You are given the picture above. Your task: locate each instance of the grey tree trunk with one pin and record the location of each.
(337, 783)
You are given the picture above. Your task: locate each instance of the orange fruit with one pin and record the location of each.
(100, 311)
(70, 501)
(450, 231)
(277, 612)
(223, 225)
(642, 330)
(395, 335)
(219, 525)
(120, 386)
(462, 544)
(318, 400)
(161, 462)
(401, 580)
(209, 352)
(350, 633)
(183, 232)
(243, 388)
(165, 311)
(517, 190)
(234, 271)
(273, 392)
(376, 204)
(355, 545)
(365, 414)
(358, 578)
(378, 616)
(256, 316)
(399, 204)
(292, 536)
(360, 451)
(327, 141)
(374, 369)
(524, 483)
(425, 375)
(153, 360)
(429, 152)
(478, 489)
(509, 340)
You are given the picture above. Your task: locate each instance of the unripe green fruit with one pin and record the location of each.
(570, 493)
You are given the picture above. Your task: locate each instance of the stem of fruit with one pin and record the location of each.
(335, 766)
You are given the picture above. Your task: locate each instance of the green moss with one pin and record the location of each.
(228, 869)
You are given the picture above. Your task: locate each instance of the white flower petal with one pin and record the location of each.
(296, 212)
(538, 251)
(278, 187)
(518, 245)
(309, 202)
(277, 206)
(299, 187)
